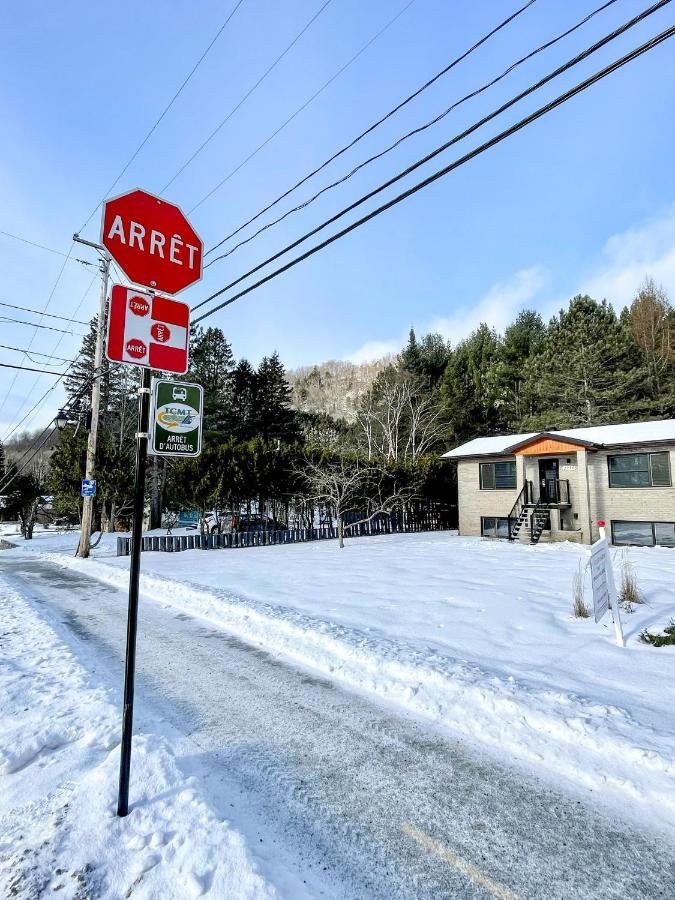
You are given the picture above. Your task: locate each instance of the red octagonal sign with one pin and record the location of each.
(152, 242)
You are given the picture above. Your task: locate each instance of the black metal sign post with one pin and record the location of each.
(134, 572)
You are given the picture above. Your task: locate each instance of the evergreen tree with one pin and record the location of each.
(211, 365)
(435, 353)
(522, 341)
(470, 389)
(276, 420)
(588, 370)
(411, 357)
(244, 391)
(81, 374)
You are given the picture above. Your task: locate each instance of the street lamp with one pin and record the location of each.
(61, 420)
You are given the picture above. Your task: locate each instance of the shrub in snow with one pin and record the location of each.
(630, 592)
(580, 608)
(665, 639)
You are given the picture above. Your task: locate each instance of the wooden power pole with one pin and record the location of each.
(90, 468)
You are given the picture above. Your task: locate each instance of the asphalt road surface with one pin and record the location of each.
(359, 800)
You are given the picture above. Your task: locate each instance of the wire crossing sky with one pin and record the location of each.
(580, 203)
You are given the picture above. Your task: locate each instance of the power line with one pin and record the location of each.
(29, 369)
(38, 442)
(307, 102)
(634, 54)
(34, 353)
(35, 407)
(162, 114)
(30, 343)
(33, 244)
(248, 93)
(38, 313)
(379, 122)
(476, 125)
(37, 380)
(415, 131)
(36, 325)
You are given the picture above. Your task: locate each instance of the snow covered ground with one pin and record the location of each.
(476, 636)
(59, 760)
(473, 636)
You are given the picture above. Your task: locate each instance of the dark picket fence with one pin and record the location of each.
(427, 519)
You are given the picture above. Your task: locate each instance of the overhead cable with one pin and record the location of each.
(304, 106)
(415, 131)
(264, 75)
(371, 128)
(567, 95)
(161, 116)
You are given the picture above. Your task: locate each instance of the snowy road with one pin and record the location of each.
(359, 800)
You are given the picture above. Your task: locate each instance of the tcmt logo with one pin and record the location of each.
(177, 417)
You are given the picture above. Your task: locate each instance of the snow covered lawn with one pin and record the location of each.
(59, 760)
(474, 635)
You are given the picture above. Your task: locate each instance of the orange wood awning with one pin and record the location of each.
(543, 446)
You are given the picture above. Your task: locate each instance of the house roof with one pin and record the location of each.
(597, 436)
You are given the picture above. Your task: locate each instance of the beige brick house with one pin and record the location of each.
(556, 485)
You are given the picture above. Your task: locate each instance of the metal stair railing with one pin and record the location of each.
(539, 520)
(518, 513)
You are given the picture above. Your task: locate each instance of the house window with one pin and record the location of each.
(494, 527)
(644, 534)
(498, 476)
(639, 470)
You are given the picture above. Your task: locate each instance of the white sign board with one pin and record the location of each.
(604, 589)
(599, 561)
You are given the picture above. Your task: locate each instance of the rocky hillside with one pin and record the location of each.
(334, 387)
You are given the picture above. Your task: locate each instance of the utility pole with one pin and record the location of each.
(90, 468)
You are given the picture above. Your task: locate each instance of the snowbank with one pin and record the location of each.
(59, 761)
(476, 636)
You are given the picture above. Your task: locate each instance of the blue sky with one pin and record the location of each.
(580, 201)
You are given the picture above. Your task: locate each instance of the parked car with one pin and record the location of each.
(250, 522)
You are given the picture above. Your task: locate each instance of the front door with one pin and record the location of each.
(548, 480)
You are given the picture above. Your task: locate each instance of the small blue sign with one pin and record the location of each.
(88, 487)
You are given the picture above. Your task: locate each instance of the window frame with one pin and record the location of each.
(496, 520)
(494, 463)
(651, 523)
(640, 487)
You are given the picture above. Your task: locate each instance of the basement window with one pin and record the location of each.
(644, 534)
(494, 527)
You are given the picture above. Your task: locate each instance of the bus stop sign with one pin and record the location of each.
(176, 418)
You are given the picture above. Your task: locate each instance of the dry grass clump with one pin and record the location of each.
(579, 607)
(629, 594)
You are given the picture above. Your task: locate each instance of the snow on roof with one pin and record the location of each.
(489, 445)
(633, 433)
(602, 435)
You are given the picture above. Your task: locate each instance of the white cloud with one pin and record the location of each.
(647, 249)
(373, 350)
(498, 307)
(628, 257)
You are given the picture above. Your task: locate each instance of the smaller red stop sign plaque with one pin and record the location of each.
(160, 332)
(136, 349)
(148, 330)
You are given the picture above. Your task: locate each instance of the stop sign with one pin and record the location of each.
(152, 242)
